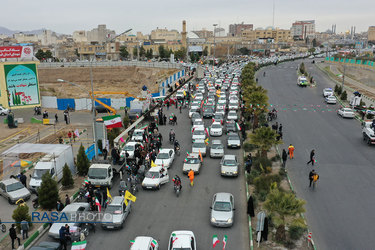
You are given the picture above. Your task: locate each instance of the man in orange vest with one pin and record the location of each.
(191, 177)
(291, 151)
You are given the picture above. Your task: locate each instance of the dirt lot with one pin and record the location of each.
(129, 79)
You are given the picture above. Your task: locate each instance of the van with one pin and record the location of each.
(116, 213)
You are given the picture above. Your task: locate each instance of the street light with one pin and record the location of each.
(92, 106)
(213, 63)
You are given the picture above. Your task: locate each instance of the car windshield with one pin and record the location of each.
(111, 209)
(162, 156)
(138, 133)
(199, 145)
(152, 175)
(217, 146)
(198, 132)
(232, 114)
(14, 186)
(218, 116)
(216, 126)
(348, 110)
(129, 148)
(181, 248)
(38, 173)
(192, 160)
(97, 173)
(209, 110)
(233, 137)
(198, 123)
(230, 163)
(222, 206)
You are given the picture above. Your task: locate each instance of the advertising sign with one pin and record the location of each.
(22, 84)
(16, 51)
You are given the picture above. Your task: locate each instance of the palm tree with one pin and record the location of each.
(283, 204)
(256, 101)
(264, 138)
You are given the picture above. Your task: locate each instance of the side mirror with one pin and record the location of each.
(233, 209)
(210, 207)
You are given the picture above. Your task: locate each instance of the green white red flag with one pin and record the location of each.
(80, 245)
(215, 241)
(154, 243)
(112, 121)
(225, 241)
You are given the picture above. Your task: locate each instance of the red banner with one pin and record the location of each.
(16, 51)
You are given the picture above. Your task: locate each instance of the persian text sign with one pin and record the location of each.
(16, 51)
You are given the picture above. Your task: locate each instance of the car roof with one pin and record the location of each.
(216, 142)
(75, 206)
(216, 123)
(116, 200)
(229, 157)
(183, 238)
(223, 197)
(141, 242)
(165, 150)
(198, 141)
(9, 181)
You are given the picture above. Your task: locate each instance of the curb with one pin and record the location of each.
(248, 217)
(291, 187)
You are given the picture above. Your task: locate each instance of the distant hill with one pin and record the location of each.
(8, 32)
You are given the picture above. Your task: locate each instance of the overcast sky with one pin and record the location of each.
(66, 16)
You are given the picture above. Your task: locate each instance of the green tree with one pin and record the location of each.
(244, 51)
(83, 162)
(180, 54)
(126, 121)
(281, 205)
(162, 52)
(67, 179)
(112, 134)
(135, 52)
(21, 213)
(48, 54)
(264, 138)
(124, 52)
(256, 102)
(142, 51)
(302, 69)
(40, 55)
(48, 192)
(149, 54)
(205, 51)
(311, 50)
(314, 43)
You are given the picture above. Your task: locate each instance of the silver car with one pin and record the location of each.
(229, 165)
(233, 140)
(192, 162)
(199, 146)
(13, 190)
(217, 149)
(222, 210)
(117, 211)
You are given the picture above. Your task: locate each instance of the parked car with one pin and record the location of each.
(327, 92)
(13, 190)
(222, 210)
(216, 129)
(192, 162)
(346, 113)
(199, 146)
(118, 211)
(3, 111)
(217, 149)
(331, 99)
(233, 140)
(155, 177)
(232, 115)
(229, 165)
(165, 157)
(182, 240)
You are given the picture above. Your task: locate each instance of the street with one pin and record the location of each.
(339, 211)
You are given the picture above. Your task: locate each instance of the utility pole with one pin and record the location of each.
(343, 76)
(213, 63)
(93, 113)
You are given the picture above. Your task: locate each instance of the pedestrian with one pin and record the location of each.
(311, 174)
(62, 237)
(174, 119)
(23, 179)
(168, 104)
(160, 137)
(105, 153)
(291, 151)
(312, 157)
(279, 136)
(250, 206)
(165, 119)
(70, 136)
(74, 136)
(284, 157)
(59, 206)
(13, 235)
(66, 118)
(35, 110)
(67, 200)
(25, 229)
(191, 177)
(280, 128)
(176, 103)
(180, 108)
(60, 140)
(56, 118)
(249, 163)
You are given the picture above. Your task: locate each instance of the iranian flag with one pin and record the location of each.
(97, 203)
(154, 243)
(238, 126)
(215, 241)
(225, 241)
(112, 121)
(174, 238)
(80, 245)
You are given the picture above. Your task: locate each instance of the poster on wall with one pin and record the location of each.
(16, 51)
(22, 84)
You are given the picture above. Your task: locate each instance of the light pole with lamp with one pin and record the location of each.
(92, 107)
(213, 62)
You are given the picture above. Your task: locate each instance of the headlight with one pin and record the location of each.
(223, 172)
(235, 172)
(230, 221)
(213, 219)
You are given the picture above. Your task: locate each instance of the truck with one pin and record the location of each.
(101, 175)
(368, 132)
(137, 109)
(53, 164)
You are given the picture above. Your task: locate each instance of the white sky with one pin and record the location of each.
(66, 16)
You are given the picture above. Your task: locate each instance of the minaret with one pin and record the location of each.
(183, 34)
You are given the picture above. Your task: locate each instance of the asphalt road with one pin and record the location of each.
(339, 211)
(158, 213)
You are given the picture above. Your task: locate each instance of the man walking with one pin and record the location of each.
(291, 151)
(313, 177)
(13, 235)
(23, 179)
(284, 157)
(312, 158)
(191, 177)
(25, 229)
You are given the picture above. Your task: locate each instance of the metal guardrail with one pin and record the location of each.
(164, 65)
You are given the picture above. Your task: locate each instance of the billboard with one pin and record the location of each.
(22, 84)
(16, 51)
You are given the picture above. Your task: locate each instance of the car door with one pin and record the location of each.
(165, 178)
(171, 155)
(2, 190)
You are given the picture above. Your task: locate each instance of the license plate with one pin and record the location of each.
(97, 186)
(110, 227)
(149, 187)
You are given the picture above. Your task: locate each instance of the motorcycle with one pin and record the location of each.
(3, 227)
(122, 188)
(81, 195)
(177, 189)
(172, 138)
(177, 150)
(35, 203)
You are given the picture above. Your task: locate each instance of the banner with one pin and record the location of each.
(22, 84)
(16, 51)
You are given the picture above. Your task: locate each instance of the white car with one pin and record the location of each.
(233, 105)
(216, 129)
(220, 109)
(138, 135)
(165, 157)
(155, 177)
(194, 109)
(327, 92)
(199, 146)
(182, 240)
(192, 162)
(130, 148)
(198, 123)
(331, 99)
(232, 115)
(346, 113)
(222, 101)
(3, 111)
(217, 149)
(144, 243)
(198, 97)
(199, 134)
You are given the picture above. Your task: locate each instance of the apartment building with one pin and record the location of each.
(303, 29)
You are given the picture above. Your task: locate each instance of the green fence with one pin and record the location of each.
(353, 62)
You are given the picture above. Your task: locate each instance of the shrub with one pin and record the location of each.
(126, 121)
(336, 88)
(262, 195)
(48, 192)
(21, 213)
(369, 116)
(261, 163)
(264, 182)
(253, 174)
(362, 103)
(248, 147)
(83, 162)
(339, 90)
(276, 158)
(67, 179)
(297, 229)
(344, 96)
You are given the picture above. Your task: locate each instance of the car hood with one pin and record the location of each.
(229, 168)
(196, 150)
(149, 181)
(234, 142)
(19, 193)
(217, 150)
(221, 216)
(35, 182)
(194, 167)
(55, 228)
(115, 218)
(161, 162)
(197, 137)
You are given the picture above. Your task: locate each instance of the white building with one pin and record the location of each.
(79, 36)
(100, 34)
(302, 29)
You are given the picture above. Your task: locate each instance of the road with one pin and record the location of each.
(339, 211)
(158, 213)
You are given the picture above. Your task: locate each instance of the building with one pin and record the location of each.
(236, 29)
(100, 34)
(204, 33)
(93, 51)
(303, 29)
(271, 34)
(219, 32)
(26, 38)
(80, 36)
(48, 37)
(165, 35)
(371, 34)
